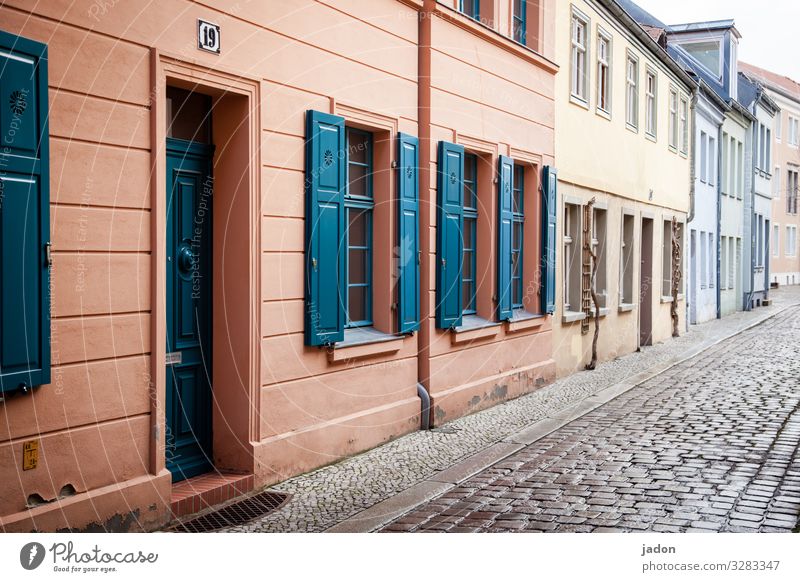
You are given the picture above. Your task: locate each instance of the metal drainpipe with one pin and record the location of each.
(425, 421)
(719, 222)
(690, 218)
(753, 226)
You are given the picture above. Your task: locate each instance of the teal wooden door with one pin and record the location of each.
(188, 300)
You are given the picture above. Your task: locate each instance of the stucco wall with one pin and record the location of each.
(784, 268)
(478, 100)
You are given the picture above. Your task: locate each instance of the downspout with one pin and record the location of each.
(692, 192)
(719, 223)
(748, 306)
(424, 130)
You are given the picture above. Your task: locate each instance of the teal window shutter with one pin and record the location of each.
(450, 244)
(505, 217)
(325, 184)
(24, 215)
(408, 233)
(549, 215)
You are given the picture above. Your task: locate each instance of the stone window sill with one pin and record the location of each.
(473, 327)
(522, 320)
(364, 342)
(666, 299)
(603, 312)
(573, 316)
(626, 307)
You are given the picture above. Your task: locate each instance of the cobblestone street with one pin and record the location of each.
(709, 445)
(367, 491)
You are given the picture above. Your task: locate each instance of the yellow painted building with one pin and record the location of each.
(624, 110)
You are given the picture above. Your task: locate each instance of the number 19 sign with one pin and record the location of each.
(208, 36)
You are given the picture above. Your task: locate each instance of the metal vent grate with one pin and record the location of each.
(238, 513)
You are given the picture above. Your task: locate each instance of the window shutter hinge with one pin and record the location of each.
(394, 164)
(48, 248)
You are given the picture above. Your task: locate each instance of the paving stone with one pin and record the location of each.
(688, 445)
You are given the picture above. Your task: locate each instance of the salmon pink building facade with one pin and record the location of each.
(253, 239)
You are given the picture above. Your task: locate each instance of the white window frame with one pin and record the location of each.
(632, 92)
(778, 127)
(673, 118)
(604, 66)
(651, 103)
(776, 240)
(703, 157)
(579, 53)
(712, 160)
(684, 120)
(777, 182)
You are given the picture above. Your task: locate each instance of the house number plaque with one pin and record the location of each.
(208, 36)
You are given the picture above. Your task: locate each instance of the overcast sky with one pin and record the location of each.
(769, 28)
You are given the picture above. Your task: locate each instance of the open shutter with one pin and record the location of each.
(549, 242)
(325, 183)
(449, 226)
(505, 192)
(408, 233)
(24, 215)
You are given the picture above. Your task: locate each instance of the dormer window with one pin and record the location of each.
(706, 52)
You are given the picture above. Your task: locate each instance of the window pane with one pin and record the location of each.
(357, 304)
(357, 181)
(707, 53)
(357, 228)
(358, 147)
(357, 266)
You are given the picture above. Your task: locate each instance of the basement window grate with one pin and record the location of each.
(238, 513)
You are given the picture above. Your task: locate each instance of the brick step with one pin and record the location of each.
(204, 491)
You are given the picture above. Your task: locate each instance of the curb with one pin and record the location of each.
(378, 515)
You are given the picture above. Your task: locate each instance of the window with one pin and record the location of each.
(703, 260)
(517, 237)
(632, 91)
(768, 157)
(471, 8)
(707, 53)
(470, 234)
(684, 125)
(794, 131)
(651, 90)
(580, 29)
(628, 260)
(599, 230)
(791, 192)
(776, 240)
(777, 180)
(572, 258)
(673, 119)
(712, 261)
(359, 204)
(603, 72)
(723, 175)
(778, 124)
(739, 169)
(730, 158)
(791, 241)
(666, 260)
(732, 264)
(759, 240)
(723, 277)
(520, 19)
(712, 161)
(761, 141)
(703, 160)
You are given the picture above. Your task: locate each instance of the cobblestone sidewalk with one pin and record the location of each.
(330, 495)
